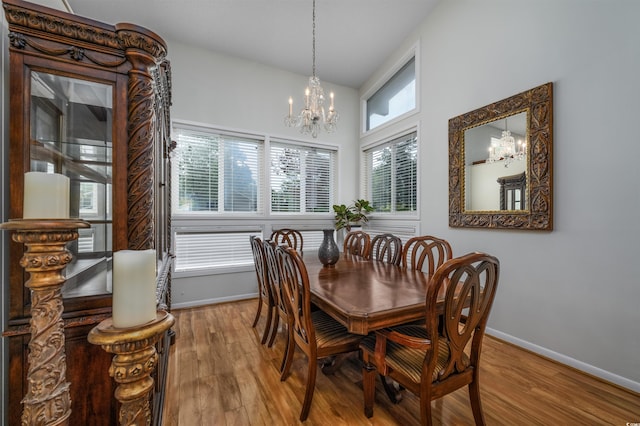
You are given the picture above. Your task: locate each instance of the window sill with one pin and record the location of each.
(213, 271)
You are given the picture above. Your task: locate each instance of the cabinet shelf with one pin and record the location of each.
(49, 153)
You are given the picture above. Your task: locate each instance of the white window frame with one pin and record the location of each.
(214, 130)
(365, 177)
(412, 52)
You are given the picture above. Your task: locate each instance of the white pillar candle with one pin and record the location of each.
(46, 196)
(134, 287)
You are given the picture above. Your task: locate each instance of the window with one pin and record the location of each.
(217, 172)
(391, 175)
(301, 179)
(396, 97)
(220, 182)
(88, 198)
(197, 250)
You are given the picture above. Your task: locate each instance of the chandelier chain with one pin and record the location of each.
(313, 46)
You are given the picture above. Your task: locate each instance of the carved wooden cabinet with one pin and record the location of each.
(91, 101)
(512, 191)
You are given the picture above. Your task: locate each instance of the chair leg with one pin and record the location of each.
(476, 405)
(274, 327)
(255, 321)
(311, 386)
(288, 355)
(286, 349)
(267, 327)
(425, 410)
(369, 387)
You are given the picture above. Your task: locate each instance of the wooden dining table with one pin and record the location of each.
(366, 295)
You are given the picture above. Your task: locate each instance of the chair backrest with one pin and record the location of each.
(295, 282)
(273, 275)
(357, 243)
(425, 253)
(470, 283)
(260, 263)
(387, 248)
(289, 237)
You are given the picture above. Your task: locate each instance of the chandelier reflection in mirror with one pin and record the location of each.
(313, 115)
(504, 149)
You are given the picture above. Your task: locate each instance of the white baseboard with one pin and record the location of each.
(563, 359)
(196, 303)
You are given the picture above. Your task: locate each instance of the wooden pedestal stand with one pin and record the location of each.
(47, 400)
(134, 361)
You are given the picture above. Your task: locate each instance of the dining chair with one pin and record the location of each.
(316, 333)
(289, 237)
(436, 359)
(275, 282)
(265, 296)
(426, 253)
(386, 248)
(357, 243)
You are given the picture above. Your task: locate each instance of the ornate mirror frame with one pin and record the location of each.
(538, 103)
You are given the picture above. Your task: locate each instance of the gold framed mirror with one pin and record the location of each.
(507, 141)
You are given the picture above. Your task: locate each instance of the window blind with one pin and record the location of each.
(213, 249)
(217, 172)
(302, 178)
(391, 175)
(396, 97)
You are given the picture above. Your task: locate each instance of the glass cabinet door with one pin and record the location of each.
(71, 134)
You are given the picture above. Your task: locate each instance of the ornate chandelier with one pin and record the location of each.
(505, 148)
(313, 114)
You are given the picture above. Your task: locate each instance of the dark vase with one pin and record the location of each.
(328, 252)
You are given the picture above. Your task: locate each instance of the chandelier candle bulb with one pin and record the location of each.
(46, 196)
(290, 106)
(134, 287)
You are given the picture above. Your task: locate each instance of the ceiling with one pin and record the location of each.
(353, 37)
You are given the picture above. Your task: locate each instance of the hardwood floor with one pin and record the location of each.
(220, 374)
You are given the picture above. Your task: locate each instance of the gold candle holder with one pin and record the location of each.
(134, 361)
(47, 400)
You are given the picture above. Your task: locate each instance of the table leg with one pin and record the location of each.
(392, 388)
(333, 363)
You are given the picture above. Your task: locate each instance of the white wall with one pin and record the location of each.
(573, 293)
(220, 90)
(481, 183)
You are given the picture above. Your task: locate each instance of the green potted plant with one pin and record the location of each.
(355, 214)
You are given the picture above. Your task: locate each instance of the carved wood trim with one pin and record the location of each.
(145, 52)
(38, 19)
(95, 42)
(140, 169)
(134, 37)
(50, 21)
